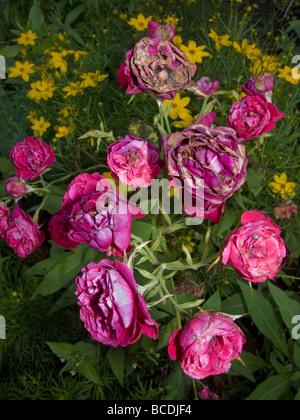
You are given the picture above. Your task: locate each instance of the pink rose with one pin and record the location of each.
(207, 119)
(207, 86)
(59, 228)
(112, 310)
(253, 116)
(207, 345)
(134, 161)
(15, 187)
(31, 158)
(156, 30)
(22, 234)
(4, 220)
(122, 77)
(256, 249)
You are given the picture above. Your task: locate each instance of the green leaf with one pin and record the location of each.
(234, 305)
(264, 316)
(288, 307)
(36, 17)
(6, 165)
(178, 384)
(87, 369)
(142, 230)
(240, 369)
(255, 180)
(74, 14)
(213, 303)
(271, 389)
(297, 354)
(252, 361)
(116, 358)
(63, 350)
(10, 51)
(68, 298)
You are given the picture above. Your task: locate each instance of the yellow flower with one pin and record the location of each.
(39, 126)
(21, 69)
(186, 122)
(140, 23)
(62, 132)
(220, 41)
(188, 243)
(91, 79)
(178, 107)
(27, 38)
(194, 53)
(61, 37)
(264, 64)
(31, 116)
(58, 61)
(77, 54)
(177, 40)
(41, 89)
(282, 186)
(286, 74)
(73, 89)
(123, 16)
(249, 50)
(171, 20)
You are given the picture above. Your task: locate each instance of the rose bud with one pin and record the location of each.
(156, 30)
(4, 220)
(207, 86)
(22, 234)
(158, 66)
(207, 345)
(111, 308)
(59, 227)
(253, 116)
(31, 158)
(15, 187)
(256, 249)
(134, 161)
(210, 156)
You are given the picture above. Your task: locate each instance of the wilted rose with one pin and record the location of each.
(207, 86)
(207, 345)
(4, 220)
(22, 234)
(285, 209)
(15, 187)
(31, 158)
(59, 228)
(212, 156)
(262, 84)
(156, 30)
(158, 66)
(253, 116)
(111, 308)
(134, 161)
(256, 249)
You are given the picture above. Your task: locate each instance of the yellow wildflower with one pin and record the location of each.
(21, 69)
(194, 54)
(27, 38)
(188, 243)
(286, 73)
(91, 79)
(73, 89)
(264, 64)
(220, 41)
(62, 132)
(31, 116)
(177, 40)
(141, 23)
(171, 20)
(58, 61)
(41, 89)
(249, 50)
(123, 16)
(282, 186)
(40, 126)
(178, 107)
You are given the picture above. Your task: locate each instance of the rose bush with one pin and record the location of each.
(207, 345)
(134, 161)
(112, 310)
(255, 250)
